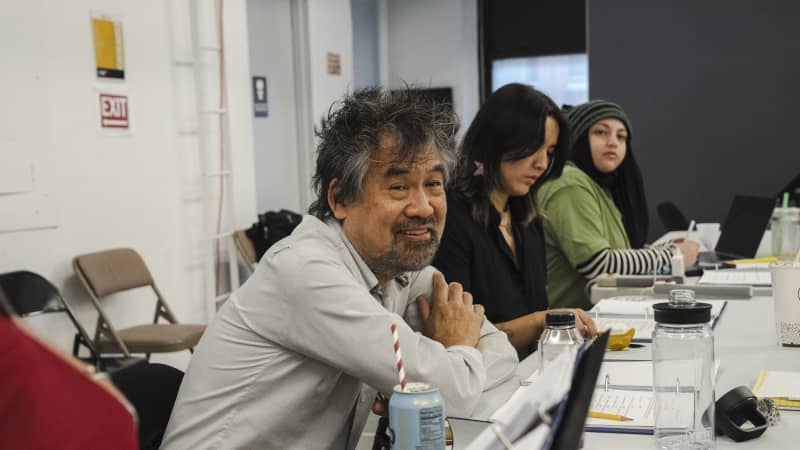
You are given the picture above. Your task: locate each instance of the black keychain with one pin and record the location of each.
(734, 409)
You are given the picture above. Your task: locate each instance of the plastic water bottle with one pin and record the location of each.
(559, 332)
(683, 373)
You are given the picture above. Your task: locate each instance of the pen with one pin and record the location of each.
(688, 230)
(608, 416)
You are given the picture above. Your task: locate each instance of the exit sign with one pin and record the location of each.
(114, 111)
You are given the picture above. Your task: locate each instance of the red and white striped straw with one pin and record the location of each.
(401, 373)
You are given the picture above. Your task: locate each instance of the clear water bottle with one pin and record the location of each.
(559, 332)
(683, 373)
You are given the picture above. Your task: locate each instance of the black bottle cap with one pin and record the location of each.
(686, 314)
(560, 318)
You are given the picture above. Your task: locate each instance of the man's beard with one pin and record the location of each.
(408, 257)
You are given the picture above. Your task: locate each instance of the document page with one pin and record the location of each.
(644, 327)
(775, 383)
(782, 387)
(637, 405)
(737, 277)
(626, 375)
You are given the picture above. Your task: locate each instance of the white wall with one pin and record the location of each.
(107, 191)
(330, 29)
(435, 44)
(110, 191)
(240, 111)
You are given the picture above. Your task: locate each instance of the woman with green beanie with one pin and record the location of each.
(595, 214)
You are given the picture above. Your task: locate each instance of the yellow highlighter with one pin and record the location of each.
(768, 259)
(609, 416)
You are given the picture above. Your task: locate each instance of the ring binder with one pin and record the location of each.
(555, 406)
(637, 312)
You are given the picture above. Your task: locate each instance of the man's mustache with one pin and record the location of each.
(416, 222)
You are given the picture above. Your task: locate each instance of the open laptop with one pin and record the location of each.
(793, 188)
(742, 230)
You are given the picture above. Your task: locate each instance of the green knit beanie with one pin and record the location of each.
(582, 117)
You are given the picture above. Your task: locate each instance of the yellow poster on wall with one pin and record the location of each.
(109, 51)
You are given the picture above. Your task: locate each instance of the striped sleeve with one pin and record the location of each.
(628, 261)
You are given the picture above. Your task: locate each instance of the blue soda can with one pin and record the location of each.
(416, 418)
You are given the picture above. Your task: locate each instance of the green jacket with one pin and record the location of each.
(580, 219)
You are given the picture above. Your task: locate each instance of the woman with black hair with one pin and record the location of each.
(493, 242)
(596, 212)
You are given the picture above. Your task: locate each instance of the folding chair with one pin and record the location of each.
(107, 272)
(30, 294)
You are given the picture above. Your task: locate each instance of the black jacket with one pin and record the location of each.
(479, 258)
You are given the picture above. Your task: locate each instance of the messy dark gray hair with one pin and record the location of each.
(351, 134)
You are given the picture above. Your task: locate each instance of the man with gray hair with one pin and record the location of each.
(294, 358)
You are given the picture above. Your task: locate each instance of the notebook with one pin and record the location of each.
(625, 388)
(782, 387)
(623, 313)
(742, 230)
(562, 393)
(744, 277)
(638, 405)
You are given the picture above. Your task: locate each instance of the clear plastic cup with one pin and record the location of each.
(785, 229)
(786, 296)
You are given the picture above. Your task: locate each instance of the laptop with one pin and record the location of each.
(742, 230)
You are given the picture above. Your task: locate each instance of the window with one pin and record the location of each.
(565, 78)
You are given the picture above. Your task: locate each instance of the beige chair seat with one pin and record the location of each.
(154, 338)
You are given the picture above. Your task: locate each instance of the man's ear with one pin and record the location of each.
(338, 209)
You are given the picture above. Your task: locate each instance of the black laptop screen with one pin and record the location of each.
(744, 226)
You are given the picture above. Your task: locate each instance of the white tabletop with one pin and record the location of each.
(745, 343)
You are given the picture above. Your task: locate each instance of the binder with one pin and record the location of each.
(637, 312)
(782, 387)
(626, 388)
(636, 400)
(555, 419)
(571, 421)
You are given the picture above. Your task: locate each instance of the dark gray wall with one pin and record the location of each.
(712, 89)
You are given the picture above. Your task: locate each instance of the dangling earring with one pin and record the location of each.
(478, 169)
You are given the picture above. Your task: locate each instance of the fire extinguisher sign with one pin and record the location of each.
(114, 112)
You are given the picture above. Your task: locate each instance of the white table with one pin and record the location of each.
(764, 247)
(745, 344)
(598, 292)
